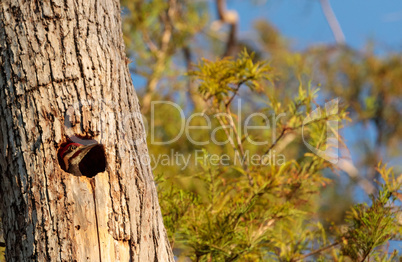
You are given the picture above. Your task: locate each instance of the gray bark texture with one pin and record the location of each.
(63, 73)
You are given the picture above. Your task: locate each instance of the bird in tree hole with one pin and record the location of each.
(82, 160)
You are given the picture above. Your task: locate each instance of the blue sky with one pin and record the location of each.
(304, 23)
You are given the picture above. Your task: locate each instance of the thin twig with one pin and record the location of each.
(227, 104)
(277, 140)
(160, 53)
(317, 251)
(196, 99)
(333, 22)
(240, 146)
(221, 122)
(236, 90)
(230, 17)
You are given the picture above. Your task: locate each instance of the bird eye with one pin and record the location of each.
(72, 147)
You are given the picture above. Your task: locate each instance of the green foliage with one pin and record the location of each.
(247, 210)
(155, 31)
(224, 77)
(370, 227)
(268, 208)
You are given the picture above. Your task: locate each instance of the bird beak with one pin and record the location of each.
(87, 148)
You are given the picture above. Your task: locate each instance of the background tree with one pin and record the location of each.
(300, 210)
(64, 75)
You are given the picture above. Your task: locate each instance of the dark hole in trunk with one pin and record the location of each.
(94, 161)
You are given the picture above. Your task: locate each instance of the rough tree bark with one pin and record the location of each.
(63, 74)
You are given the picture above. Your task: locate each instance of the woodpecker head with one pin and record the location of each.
(78, 159)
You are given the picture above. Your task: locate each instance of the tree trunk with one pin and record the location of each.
(63, 74)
